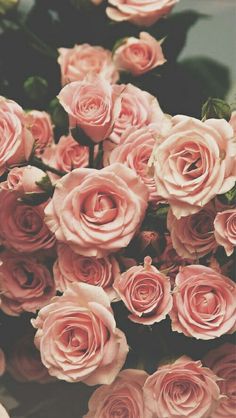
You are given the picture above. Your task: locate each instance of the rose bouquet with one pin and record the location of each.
(117, 217)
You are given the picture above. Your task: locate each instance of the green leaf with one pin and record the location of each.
(46, 185)
(34, 199)
(230, 196)
(36, 88)
(216, 108)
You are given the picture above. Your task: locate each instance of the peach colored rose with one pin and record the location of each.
(139, 56)
(22, 226)
(71, 267)
(41, 127)
(77, 336)
(3, 412)
(233, 121)
(123, 398)
(142, 12)
(192, 236)
(138, 108)
(204, 303)
(194, 163)
(86, 60)
(97, 212)
(24, 363)
(2, 362)
(181, 389)
(16, 141)
(145, 292)
(225, 230)
(134, 150)
(25, 283)
(93, 105)
(222, 361)
(23, 180)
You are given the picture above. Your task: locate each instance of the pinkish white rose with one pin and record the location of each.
(204, 303)
(3, 412)
(77, 336)
(225, 230)
(139, 56)
(23, 180)
(233, 121)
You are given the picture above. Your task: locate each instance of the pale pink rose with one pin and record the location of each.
(222, 361)
(2, 362)
(123, 398)
(22, 226)
(25, 283)
(193, 236)
(204, 303)
(16, 141)
(138, 108)
(195, 162)
(233, 121)
(3, 412)
(145, 292)
(139, 56)
(24, 180)
(93, 105)
(77, 336)
(225, 230)
(142, 12)
(24, 363)
(134, 150)
(97, 212)
(86, 60)
(97, 2)
(41, 127)
(148, 241)
(181, 389)
(71, 267)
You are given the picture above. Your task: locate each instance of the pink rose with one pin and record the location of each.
(194, 163)
(23, 180)
(97, 212)
(222, 361)
(181, 389)
(225, 230)
(134, 150)
(16, 142)
(24, 363)
(3, 412)
(123, 398)
(139, 56)
(2, 362)
(204, 303)
(78, 338)
(22, 226)
(192, 236)
(86, 60)
(233, 121)
(71, 267)
(25, 283)
(145, 292)
(138, 108)
(93, 105)
(41, 127)
(142, 12)
(97, 2)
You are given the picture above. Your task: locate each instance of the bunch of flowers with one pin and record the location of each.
(124, 222)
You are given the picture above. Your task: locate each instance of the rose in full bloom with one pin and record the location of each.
(3, 412)
(123, 398)
(142, 12)
(25, 283)
(192, 236)
(24, 363)
(86, 60)
(139, 56)
(2, 362)
(41, 127)
(23, 180)
(195, 162)
(145, 292)
(77, 336)
(204, 303)
(181, 389)
(225, 230)
(22, 227)
(97, 212)
(16, 141)
(93, 105)
(138, 108)
(71, 267)
(222, 361)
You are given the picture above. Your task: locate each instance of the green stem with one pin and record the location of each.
(37, 162)
(91, 156)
